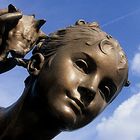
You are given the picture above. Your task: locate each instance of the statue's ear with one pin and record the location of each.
(35, 64)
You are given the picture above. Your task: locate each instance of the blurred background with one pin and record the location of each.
(121, 19)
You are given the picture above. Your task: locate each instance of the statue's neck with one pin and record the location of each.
(29, 118)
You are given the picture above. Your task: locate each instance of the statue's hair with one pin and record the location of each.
(80, 31)
(88, 32)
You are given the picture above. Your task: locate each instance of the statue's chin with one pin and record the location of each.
(65, 116)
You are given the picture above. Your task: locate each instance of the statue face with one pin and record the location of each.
(79, 81)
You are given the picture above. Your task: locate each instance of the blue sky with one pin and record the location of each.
(121, 19)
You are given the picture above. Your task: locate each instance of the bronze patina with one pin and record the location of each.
(74, 74)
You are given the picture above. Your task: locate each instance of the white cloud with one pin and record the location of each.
(124, 124)
(135, 66)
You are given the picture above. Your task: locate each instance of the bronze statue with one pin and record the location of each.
(74, 74)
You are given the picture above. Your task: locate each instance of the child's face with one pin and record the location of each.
(80, 81)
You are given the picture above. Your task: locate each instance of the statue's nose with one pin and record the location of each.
(86, 95)
(88, 89)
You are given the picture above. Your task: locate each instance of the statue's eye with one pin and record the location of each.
(107, 89)
(82, 65)
(105, 92)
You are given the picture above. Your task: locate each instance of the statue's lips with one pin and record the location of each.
(76, 105)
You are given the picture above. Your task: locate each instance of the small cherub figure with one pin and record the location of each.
(18, 35)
